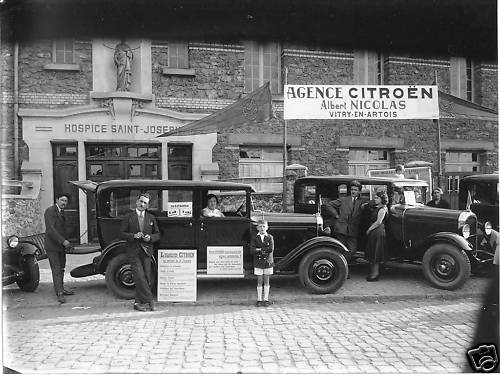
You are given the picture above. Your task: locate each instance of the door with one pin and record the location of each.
(119, 161)
(65, 169)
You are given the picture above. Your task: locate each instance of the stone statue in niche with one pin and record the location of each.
(123, 58)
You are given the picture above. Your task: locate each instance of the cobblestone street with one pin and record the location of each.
(313, 337)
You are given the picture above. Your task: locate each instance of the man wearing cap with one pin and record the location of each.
(57, 243)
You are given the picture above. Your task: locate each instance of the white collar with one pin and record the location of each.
(140, 213)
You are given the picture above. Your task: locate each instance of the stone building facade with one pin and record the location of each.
(72, 124)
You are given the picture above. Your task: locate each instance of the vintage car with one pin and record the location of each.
(299, 247)
(443, 241)
(20, 261)
(479, 193)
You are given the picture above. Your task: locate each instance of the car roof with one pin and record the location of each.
(153, 183)
(364, 180)
(481, 177)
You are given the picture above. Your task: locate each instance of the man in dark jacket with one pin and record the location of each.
(57, 243)
(140, 229)
(346, 214)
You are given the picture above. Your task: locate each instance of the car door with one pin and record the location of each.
(223, 239)
(176, 219)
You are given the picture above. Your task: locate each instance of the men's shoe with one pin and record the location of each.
(152, 306)
(140, 307)
(266, 304)
(60, 298)
(67, 292)
(258, 304)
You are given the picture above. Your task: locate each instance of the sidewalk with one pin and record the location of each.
(398, 283)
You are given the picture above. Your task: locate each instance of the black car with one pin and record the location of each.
(20, 259)
(443, 241)
(300, 247)
(479, 193)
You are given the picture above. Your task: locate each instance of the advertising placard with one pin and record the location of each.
(180, 209)
(354, 102)
(224, 260)
(177, 275)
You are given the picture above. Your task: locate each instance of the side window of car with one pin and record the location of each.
(307, 194)
(177, 203)
(343, 191)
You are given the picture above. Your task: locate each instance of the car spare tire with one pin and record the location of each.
(445, 266)
(323, 270)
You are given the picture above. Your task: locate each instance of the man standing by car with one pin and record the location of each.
(140, 229)
(437, 201)
(56, 244)
(346, 212)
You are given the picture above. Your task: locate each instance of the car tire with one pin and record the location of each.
(119, 277)
(446, 266)
(323, 270)
(31, 278)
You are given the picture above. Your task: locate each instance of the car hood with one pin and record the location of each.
(436, 215)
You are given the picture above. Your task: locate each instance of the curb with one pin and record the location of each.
(247, 301)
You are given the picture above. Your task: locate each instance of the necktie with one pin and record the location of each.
(62, 214)
(141, 220)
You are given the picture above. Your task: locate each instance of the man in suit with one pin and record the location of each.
(140, 229)
(346, 214)
(56, 244)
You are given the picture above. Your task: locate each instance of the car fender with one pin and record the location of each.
(27, 248)
(447, 237)
(110, 251)
(309, 245)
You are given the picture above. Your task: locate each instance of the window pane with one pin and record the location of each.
(96, 169)
(143, 152)
(113, 170)
(152, 170)
(132, 152)
(134, 170)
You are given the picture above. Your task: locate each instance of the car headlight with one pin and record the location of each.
(319, 220)
(487, 228)
(13, 241)
(466, 231)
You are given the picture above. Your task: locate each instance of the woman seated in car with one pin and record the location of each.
(211, 209)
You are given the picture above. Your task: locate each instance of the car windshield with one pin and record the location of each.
(409, 195)
(484, 193)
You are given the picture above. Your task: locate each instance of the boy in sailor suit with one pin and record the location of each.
(263, 261)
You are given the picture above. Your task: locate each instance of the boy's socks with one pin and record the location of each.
(259, 293)
(266, 292)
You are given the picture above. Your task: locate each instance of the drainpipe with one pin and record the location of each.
(16, 110)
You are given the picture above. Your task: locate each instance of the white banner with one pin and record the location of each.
(354, 102)
(224, 260)
(177, 275)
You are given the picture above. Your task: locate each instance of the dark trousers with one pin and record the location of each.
(141, 269)
(350, 242)
(57, 261)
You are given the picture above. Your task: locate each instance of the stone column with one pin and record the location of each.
(293, 172)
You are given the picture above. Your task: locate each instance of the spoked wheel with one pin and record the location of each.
(446, 267)
(323, 270)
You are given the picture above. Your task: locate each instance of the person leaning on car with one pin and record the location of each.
(437, 201)
(56, 244)
(140, 229)
(346, 214)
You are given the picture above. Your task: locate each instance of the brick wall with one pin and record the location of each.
(219, 74)
(21, 216)
(34, 78)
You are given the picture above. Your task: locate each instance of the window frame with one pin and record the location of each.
(273, 73)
